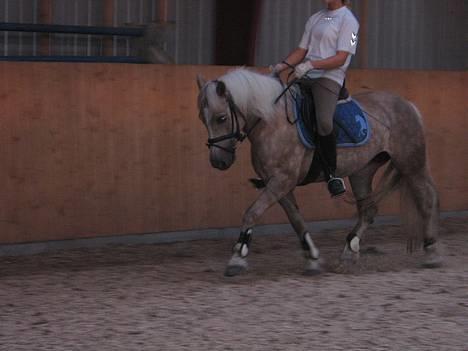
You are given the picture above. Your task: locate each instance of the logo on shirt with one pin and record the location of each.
(354, 38)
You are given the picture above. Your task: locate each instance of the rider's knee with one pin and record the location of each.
(325, 128)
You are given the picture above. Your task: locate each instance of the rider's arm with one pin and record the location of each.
(331, 62)
(296, 57)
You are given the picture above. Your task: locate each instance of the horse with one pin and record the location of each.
(244, 104)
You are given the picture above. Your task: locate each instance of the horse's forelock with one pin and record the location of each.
(208, 99)
(203, 96)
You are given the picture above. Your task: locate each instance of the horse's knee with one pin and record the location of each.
(250, 218)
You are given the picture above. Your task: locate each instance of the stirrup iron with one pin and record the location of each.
(336, 186)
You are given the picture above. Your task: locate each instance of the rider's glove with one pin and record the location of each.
(302, 69)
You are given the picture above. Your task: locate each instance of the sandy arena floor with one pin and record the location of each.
(174, 297)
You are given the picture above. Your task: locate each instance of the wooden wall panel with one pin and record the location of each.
(93, 149)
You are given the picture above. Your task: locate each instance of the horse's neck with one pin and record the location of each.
(279, 126)
(252, 123)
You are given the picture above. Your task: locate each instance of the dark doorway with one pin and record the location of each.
(236, 31)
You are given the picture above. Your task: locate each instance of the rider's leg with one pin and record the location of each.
(326, 92)
(327, 150)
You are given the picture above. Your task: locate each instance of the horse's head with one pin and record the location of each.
(219, 114)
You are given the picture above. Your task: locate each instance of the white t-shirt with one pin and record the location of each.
(326, 33)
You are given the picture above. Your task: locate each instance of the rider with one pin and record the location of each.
(323, 56)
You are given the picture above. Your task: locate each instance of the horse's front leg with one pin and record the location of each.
(311, 252)
(274, 191)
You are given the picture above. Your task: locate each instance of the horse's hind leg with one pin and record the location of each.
(311, 253)
(420, 212)
(361, 184)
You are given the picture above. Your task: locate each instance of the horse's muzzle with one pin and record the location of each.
(221, 165)
(221, 160)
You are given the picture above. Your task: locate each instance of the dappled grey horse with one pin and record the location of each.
(241, 105)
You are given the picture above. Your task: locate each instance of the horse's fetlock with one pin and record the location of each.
(353, 242)
(310, 250)
(243, 243)
(236, 247)
(429, 243)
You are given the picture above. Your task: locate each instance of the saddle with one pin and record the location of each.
(307, 106)
(351, 126)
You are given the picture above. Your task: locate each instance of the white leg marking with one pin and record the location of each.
(242, 250)
(313, 251)
(354, 244)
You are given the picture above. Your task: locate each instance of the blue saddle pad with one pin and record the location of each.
(351, 125)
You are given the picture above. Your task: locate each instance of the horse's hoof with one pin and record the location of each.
(349, 257)
(432, 262)
(433, 257)
(312, 272)
(232, 271)
(313, 268)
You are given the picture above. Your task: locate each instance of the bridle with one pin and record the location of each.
(236, 132)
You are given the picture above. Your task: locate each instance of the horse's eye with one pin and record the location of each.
(222, 119)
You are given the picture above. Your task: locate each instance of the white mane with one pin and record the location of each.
(252, 92)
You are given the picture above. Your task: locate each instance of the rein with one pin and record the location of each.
(287, 89)
(236, 132)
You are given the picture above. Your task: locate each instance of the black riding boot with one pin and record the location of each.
(336, 186)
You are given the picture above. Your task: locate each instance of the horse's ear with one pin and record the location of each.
(220, 88)
(200, 81)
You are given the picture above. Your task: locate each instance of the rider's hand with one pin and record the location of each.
(302, 69)
(278, 68)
